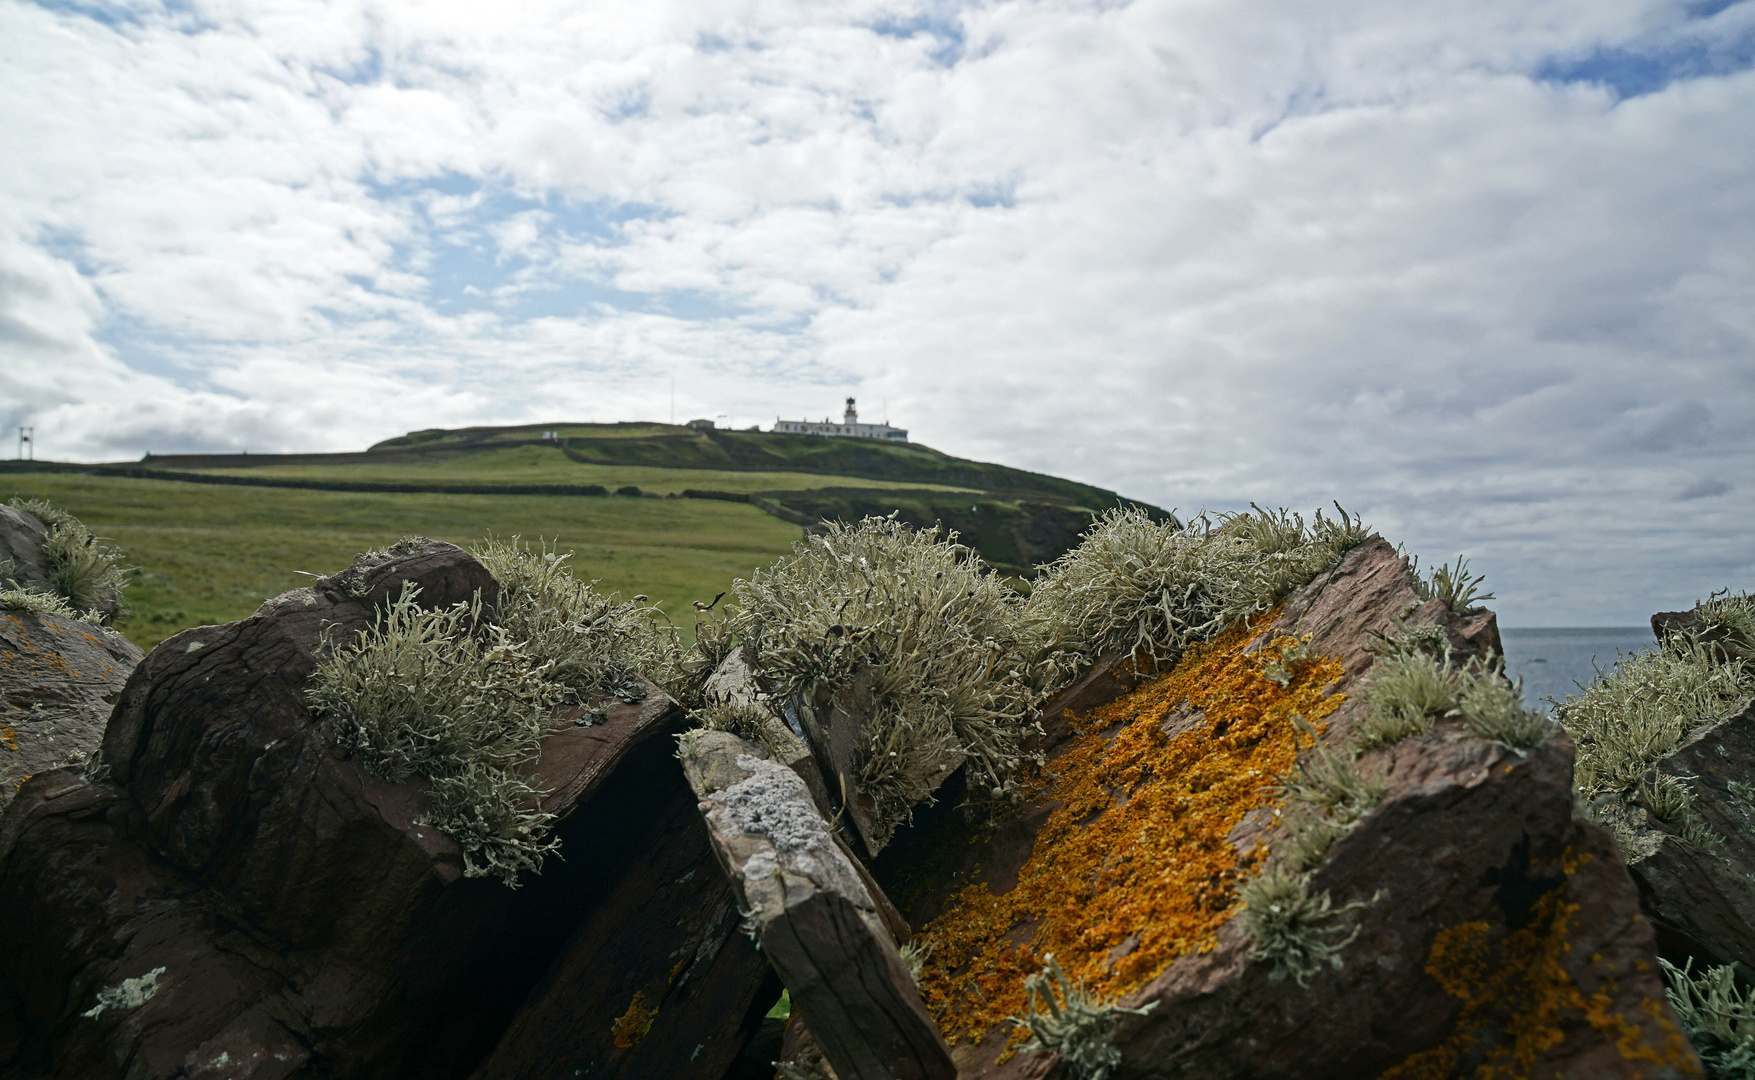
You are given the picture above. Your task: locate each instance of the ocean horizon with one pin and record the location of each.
(1554, 662)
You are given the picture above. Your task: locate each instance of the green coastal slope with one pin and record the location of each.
(212, 535)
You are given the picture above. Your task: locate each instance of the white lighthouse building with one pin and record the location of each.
(849, 427)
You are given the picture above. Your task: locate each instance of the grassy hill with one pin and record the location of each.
(1017, 519)
(671, 447)
(206, 553)
(213, 535)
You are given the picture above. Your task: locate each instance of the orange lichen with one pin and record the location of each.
(8, 738)
(1134, 868)
(630, 1027)
(1519, 1002)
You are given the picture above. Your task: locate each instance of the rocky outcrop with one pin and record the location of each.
(59, 679)
(657, 978)
(27, 561)
(1465, 922)
(240, 901)
(22, 538)
(1696, 890)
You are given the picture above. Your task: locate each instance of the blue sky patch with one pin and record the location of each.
(1633, 71)
(940, 23)
(467, 269)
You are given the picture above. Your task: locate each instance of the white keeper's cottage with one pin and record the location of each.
(849, 427)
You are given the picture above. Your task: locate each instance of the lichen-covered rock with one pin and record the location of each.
(241, 900)
(819, 923)
(58, 556)
(1457, 921)
(22, 538)
(59, 679)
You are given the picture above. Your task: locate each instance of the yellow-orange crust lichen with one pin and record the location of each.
(630, 1027)
(1519, 1002)
(1133, 869)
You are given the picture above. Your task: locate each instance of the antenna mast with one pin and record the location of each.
(27, 437)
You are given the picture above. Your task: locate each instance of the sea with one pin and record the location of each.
(1554, 661)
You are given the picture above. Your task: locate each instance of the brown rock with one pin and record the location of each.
(657, 980)
(1700, 901)
(242, 901)
(1494, 931)
(59, 679)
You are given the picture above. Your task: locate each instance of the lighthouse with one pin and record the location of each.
(848, 427)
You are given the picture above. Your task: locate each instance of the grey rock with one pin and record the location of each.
(1701, 900)
(59, 679)
(21, 545)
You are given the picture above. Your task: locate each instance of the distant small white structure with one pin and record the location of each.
(849, 427)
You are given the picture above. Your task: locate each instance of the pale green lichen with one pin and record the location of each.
(750, 723)
(81, 568)
(1718, 1015)
(463, 696)
(591, 642)
(1296, 932)
(1326, 794)
(1628, 720)
(1148, 588)
(910, 631)
(1068, 1021)
(127, 995)
(1454, 585)
(440, 694)
(1410, 688)
(1405, 694)
(42, 603)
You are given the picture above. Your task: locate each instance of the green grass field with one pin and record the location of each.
(210, 554)
(533, 464)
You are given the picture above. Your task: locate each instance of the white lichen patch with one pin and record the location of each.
(127, 995)
(773, 804)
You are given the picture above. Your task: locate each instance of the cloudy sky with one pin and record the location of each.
(1483, 272)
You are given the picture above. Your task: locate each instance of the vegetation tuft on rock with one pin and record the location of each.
(83, 571)
(1151, 588)
(1295, 931)
(1071, 1022)
(590, 642)
(1454, 585)
(1718, 1016)
(443, 695)
(462, 696)
(911, 630)
(1415, 682)
(1628, 720)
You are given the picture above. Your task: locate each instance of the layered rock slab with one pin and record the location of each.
(59, 679)
(242, 902)
(1701, 899)
(1492, 930)
(810, 906)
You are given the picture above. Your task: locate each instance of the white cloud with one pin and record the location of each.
(1478, 272)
